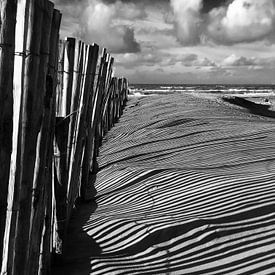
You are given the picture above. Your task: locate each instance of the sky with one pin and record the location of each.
(179, 41)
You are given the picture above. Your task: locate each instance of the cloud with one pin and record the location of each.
(193, 60)
(205, 62)
(200, 21)
(145, 59)
(95, 21)
(189, 58)
(249, 62)
(187, 20)
(208, 5)
(159, 59)
(242, 21)
(233, 60)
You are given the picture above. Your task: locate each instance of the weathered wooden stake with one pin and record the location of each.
(96, 120)
(90, 69)
(89, 137)
(7, 46)
(18, 83)
(68, 76)
(43, 144)
(77, 76)
(48, 241)
(59, 96)
(30, 120)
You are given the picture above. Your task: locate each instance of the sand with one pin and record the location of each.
(185, 186)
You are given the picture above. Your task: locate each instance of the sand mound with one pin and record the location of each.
(186, 186)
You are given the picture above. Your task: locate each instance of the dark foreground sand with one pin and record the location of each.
(186, 186)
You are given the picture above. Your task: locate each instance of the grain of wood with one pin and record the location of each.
(29, 132)
(98, 103)
(68, 72)
(78, 60)
(49, 236)
(90, 68)
(7, 46)
(89, 138)
(59, 97)
(18, 83)
(43, 146)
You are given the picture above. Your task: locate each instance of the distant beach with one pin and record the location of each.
(256, 92)
(239, 95)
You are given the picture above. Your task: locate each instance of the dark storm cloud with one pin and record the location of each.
(208, 5)
(147, 2)
(131, 45)
(110, 2)
(102, 23)
(68, 2)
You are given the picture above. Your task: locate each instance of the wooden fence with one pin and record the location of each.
(57, 100)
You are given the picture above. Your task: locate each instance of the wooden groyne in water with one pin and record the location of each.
(57, 101)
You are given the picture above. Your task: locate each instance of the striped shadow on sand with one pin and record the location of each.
(186, 186)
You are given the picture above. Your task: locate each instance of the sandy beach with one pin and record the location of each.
(137, 137)
(185, 186)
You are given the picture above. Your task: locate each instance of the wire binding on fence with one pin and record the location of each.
(26, 54)
(6, 45)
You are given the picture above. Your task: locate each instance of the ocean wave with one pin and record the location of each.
(262, 90)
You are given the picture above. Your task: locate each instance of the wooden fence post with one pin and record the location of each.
(120, 86)
(111, 109)
(48, 241)
(22, 19)
(61, 54)
(105, 102)
(64, 106)
(98, 104)
(64, 145)
(60, 161)
(89, 137)
(61, 177)
(31, 115)
(43, 147)
(124, 92)
(68, 76)
(7, 46)
(75, 100)
(90, 68)
(114, 99)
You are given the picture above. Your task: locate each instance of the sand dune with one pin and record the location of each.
(185, 186)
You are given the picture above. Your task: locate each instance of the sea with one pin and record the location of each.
(256, 93)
